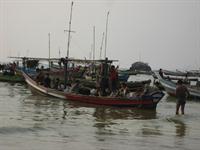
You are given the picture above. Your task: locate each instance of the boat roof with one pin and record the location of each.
(69, 59)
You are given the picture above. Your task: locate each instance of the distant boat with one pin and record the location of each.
(149, 101)
(11, 78)
(170, 87)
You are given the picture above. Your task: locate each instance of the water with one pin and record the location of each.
(33, 122)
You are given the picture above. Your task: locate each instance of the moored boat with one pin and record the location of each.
(170, 87)
(148, 101)
(11, 78)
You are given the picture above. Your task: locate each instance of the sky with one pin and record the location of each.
(163, 33)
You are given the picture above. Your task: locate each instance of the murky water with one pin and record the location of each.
(33, 122)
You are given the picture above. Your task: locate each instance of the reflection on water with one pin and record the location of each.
(179, 125)
(103, 114)
(50, 123)
(180, 128)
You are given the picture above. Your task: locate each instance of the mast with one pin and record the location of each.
(101, 46)
(68, 43)
(106, 33)
(94, 43)
(69, 31)
(59, 52)
(49, 51)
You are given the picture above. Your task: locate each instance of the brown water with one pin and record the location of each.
(29, 122)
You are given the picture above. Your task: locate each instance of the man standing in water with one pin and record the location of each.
(181, 93)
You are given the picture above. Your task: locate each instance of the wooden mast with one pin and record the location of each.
(69, 31)
(94, 43)
(106, 34)
(101, 46)
(49, 50)
(68, 45)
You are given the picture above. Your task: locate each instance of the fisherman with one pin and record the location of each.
(113, 78)
(56, 83)
(47, 81)
(123, 91)
(161, 73)
(181, 93)
(186, 80)
(104, 78)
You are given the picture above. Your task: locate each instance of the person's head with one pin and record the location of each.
(112, 67)
(179, 82)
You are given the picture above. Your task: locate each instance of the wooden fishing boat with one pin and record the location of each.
(170, 87)
(149, 101)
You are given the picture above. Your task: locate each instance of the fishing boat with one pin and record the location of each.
(148, 101)
(170, 86)
(11, 78)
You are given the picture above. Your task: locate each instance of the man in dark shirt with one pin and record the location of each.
(181, 93)
(47, 81)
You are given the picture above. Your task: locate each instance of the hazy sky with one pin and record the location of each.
(163, 33)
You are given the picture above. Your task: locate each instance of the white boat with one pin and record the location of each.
(170, 87)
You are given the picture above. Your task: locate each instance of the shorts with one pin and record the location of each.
(181, 101)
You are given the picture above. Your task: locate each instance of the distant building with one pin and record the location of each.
(140, 66)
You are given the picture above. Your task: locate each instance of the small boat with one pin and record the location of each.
(11, 78)
(170, 87)
(149, 101)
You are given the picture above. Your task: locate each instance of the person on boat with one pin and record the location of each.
(47, 81)
(147, 89)
(39, 77)
(104, 85)
(181, 93)
(113, 78)
(56, 84)
(98, 87)
(161, 73)
(123, 91)
(186, 80)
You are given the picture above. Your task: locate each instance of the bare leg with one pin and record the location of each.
(177, 108)
(182, 109)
